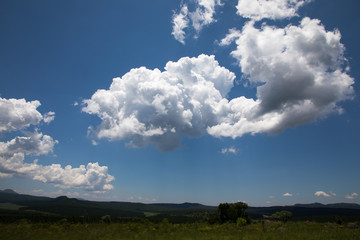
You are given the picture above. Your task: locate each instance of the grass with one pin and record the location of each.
(164, 231)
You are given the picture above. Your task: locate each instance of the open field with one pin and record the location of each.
(28, 217)
(164, 230)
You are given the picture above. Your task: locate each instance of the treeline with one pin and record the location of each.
(174, 219)
(225, 213)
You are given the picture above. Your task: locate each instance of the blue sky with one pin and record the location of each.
(235, 102)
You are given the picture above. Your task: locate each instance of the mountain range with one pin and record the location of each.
(14, 204)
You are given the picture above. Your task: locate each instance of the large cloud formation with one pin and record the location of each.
(274, 9)
(298, 72)
(150, 106)
(18, 114)
(202, 15)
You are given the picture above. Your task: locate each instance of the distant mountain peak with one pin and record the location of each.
(62, 198)
(9, 191)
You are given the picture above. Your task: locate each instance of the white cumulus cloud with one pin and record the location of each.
(202, 15)
(17, 114)
(159, 107)
(352, 196)
(34, 144)
(321, 194)
(270, 9)
(298, 73)
(287, 195)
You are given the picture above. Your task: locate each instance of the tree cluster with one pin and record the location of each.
(233, 212)
(283, 216)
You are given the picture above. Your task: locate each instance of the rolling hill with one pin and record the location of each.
(64, 206)
(14, 204)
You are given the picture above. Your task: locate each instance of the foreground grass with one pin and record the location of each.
(165, 231)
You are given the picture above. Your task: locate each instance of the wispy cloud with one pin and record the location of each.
(57, 193)
(180, 22)
(37, 191)
(142, 199)
(287, 195)
(231, 150)
(72, 194)
(6, 175)
(49, 117)
(201, 16)
(202, 13)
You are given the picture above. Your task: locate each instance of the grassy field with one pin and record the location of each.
(164, 231)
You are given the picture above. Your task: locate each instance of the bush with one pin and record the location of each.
(283, 216)
(106, 219)
(241, 222)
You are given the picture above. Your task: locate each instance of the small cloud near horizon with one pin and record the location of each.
(37, 191)
(323, 194)
(352, 196)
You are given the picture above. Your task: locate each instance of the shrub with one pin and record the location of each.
(241, 222)
(283, 216)
(106, 219)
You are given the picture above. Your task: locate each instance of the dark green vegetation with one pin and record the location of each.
(146, 230)
(283, 216)
(30, 217)
(15, 206)
(233, 212)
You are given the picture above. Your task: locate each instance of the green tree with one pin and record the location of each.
(230, 212)
(283, 216)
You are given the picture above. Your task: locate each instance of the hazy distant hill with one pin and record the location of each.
(333, 205)
(65, 206)
(310, 211)
(14, 204)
